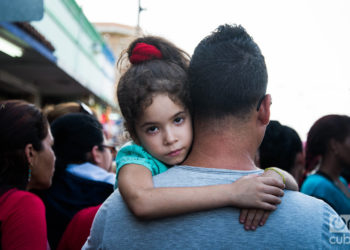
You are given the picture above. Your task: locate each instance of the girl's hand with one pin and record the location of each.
(252, 218)
(254, 191)
(291, 183)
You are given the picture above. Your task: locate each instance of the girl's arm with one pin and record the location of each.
(147, 202)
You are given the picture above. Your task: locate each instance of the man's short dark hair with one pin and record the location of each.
(228, 75)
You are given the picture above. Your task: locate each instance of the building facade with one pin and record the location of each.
(61, 57)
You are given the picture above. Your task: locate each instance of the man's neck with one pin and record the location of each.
(232, 148)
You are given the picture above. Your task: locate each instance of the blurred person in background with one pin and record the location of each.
(26, 163)
(82, 178)
(53, 112)
(328, 148)
(78, 229)
(282, 148)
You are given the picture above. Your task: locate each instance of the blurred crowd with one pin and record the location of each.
(60, 161)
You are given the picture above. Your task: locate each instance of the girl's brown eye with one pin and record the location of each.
(178, 120)
(152, 130)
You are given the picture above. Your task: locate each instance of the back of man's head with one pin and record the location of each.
(228, 75)
(74, 137)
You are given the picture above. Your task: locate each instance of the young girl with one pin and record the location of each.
(154, 101)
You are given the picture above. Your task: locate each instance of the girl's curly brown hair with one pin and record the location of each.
(142, 81)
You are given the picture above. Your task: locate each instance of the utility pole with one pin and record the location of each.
(138, 28)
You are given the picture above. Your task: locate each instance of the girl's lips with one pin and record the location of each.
(175, 152)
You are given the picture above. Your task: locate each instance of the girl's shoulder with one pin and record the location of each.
(132, 149)
(132, 153)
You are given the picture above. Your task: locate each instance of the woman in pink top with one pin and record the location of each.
(26, 163)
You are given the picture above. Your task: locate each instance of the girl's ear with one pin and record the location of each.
(30, 153)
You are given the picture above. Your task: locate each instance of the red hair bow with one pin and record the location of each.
(144, 52)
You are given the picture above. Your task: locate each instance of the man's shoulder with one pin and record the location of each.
(304, 218)
(306, 205)
(297, 196)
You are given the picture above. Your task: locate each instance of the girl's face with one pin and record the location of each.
(165, 130)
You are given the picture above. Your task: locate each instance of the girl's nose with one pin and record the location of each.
(169, 137)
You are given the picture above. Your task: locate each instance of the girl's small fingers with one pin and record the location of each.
(273, 190)
(267, 206)
(249, 220)
(243, 215)
(258, 218)
(264, 218)
(273, 200)
(272, 182)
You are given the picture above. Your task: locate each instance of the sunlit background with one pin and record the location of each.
(306, 44)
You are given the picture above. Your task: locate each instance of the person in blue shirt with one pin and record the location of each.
(328, 147)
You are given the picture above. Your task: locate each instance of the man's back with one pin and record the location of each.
(299, 222)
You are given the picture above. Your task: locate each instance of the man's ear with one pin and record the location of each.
(96, 155)
(30, 153)
(264, 110)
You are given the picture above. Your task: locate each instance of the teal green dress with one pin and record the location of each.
(131, 153)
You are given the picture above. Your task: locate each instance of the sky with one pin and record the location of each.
(306, 44)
